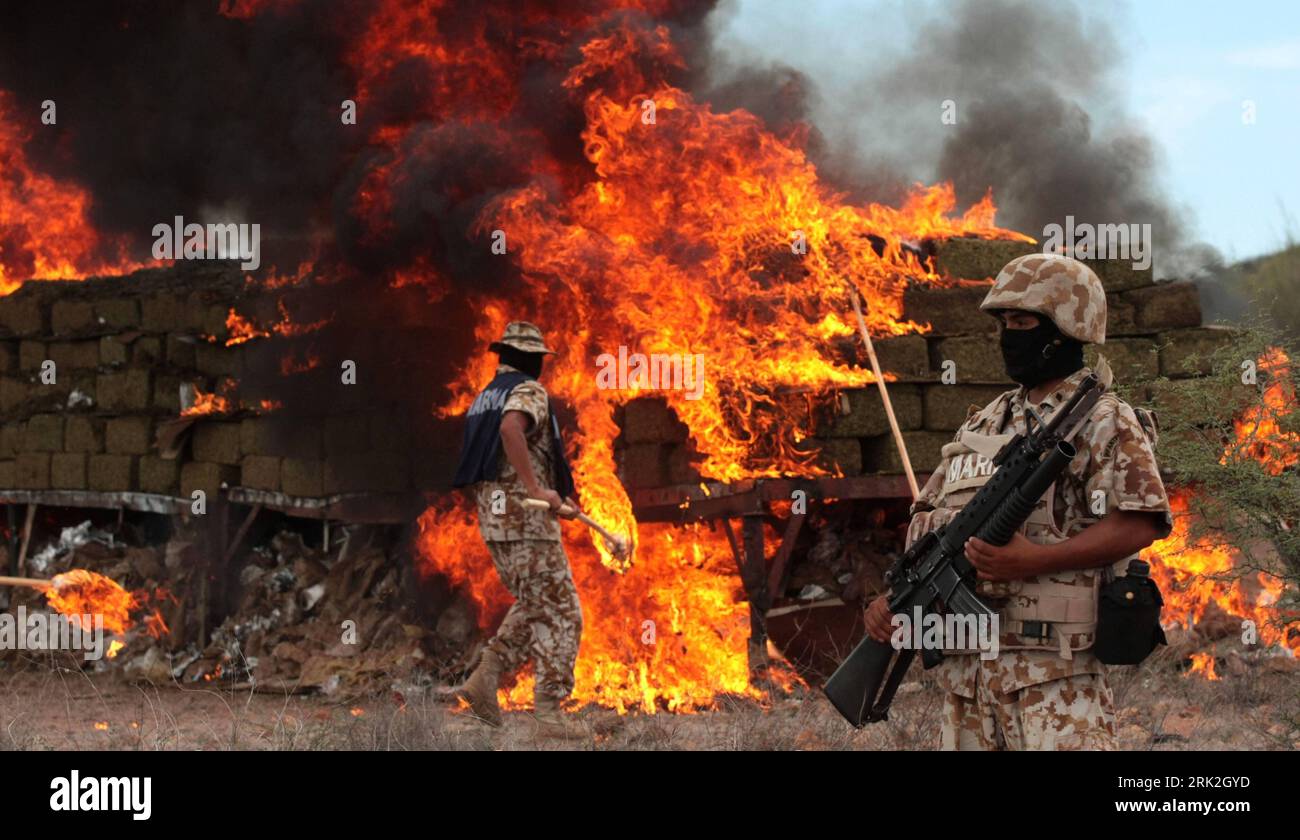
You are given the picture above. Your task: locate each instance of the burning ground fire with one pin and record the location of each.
(1195, 573)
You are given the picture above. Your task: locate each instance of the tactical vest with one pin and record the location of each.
(1046, 612)
(479, 454)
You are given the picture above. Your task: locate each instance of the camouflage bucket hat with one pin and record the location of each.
(524, 336)
(1057, 287)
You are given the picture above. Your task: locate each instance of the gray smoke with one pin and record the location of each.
(1037, 89)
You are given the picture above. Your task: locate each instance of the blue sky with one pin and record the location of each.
(1184, 69)
(1192, 66)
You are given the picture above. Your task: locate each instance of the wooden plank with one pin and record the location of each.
(735, 546)
(754, 576)
(11, 514)
(776, 576)
(27, 538)
(240, 534)
(690, 503)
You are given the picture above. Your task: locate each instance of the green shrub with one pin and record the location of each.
(1228, 441)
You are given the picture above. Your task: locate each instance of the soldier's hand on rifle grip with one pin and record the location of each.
(1017, 560)
(878, 618)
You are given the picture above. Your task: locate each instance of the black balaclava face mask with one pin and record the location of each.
(1040, 354)
(529, 363)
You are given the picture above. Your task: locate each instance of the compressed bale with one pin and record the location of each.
(905, 356)
(1133, 359)
(974, 358)
(948, 310)
(651, 420)
(118, 313)
(208, 477)
(879, 454)
(22, 315)
(111, 473)
(644, 465)
(976, 259)
(260, 472)
(302, 477)
(70, 317)
(74, 355)
(44, 433)
(68, 470)
(217, 442)
(1166, 306)
(128, 435)
(125, 391)
(32, 471)
(159, 475)
(866, 414)
(83, 434)
(948, 406)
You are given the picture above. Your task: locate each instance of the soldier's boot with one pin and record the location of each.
(480, 690)
(552, 722)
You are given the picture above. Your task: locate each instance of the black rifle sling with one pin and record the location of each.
(896, 674)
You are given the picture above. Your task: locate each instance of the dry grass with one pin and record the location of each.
(44, 705)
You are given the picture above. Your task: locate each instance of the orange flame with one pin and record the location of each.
(1195, 573)
(210, 403)
(78, 593)
(291, 363)
(222, 401)
(1203, 664)
(45, 230)
(241, 329)
(670, 633)
(1259, 435)
(700, 235)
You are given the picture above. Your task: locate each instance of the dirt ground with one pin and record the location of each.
(44, 706)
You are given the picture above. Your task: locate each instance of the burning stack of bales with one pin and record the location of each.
(1153, 329)
(132, 393)
(136, 384)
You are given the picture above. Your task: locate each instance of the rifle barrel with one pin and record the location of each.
(1086, 386)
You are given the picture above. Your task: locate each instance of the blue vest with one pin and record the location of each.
(480, 454)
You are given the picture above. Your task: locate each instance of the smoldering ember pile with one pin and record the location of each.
(264, 459)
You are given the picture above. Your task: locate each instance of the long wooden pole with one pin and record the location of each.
(618, 545)
(35, 583)
(884, 395)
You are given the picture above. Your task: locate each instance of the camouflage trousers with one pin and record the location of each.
(1071, 713)
(544, 623)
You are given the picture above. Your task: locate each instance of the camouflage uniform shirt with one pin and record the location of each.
(1116, 458)
(501, 517)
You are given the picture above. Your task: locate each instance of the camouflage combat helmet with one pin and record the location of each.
(1057, 287)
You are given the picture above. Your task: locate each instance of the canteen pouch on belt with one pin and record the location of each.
(1128, 618)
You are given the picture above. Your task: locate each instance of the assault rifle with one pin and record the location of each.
(934, 573)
